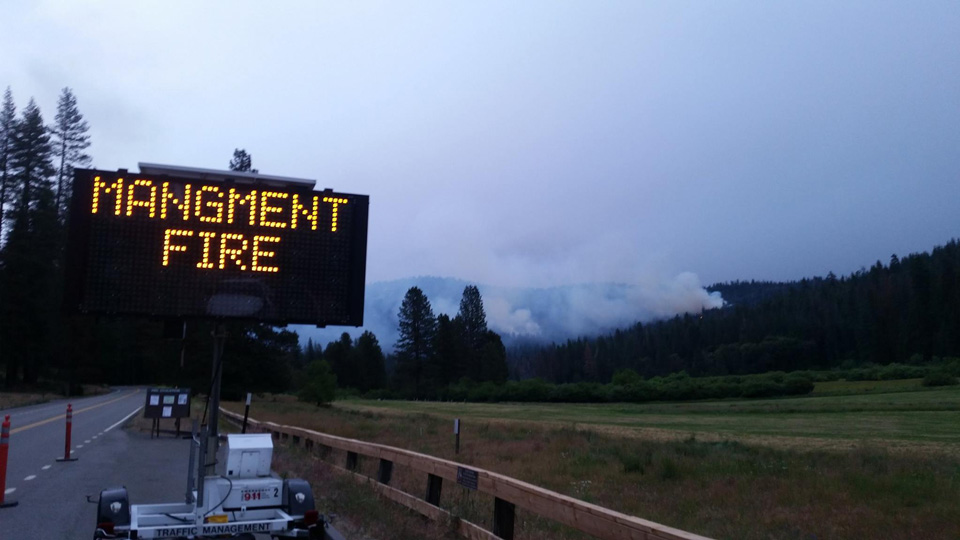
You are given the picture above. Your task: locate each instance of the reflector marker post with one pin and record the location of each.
(66, 446)
(4, 449)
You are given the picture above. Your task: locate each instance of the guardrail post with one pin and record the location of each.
(434, 483)
(351, 461)
(385, 471)
(4, 449)
(503, 514)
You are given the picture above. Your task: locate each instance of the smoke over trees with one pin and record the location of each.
(906, 311)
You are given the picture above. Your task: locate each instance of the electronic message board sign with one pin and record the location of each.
(174, 246)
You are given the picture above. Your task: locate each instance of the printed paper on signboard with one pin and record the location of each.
(167, 411)
(168, 400)
(182, 400)
(154, 400)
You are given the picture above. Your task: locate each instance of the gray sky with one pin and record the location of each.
(542, 143)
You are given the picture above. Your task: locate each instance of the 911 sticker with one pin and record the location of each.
(252, 495)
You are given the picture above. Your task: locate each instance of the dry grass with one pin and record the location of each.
(720, 488)
(11, 399)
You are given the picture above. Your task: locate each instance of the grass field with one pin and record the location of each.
(921, 416)
(866, 465)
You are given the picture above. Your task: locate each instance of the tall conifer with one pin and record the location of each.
(417, 325)
(8, 122)
(30, 254)
(70, 139)
(472, 323)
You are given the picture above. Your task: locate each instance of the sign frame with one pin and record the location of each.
(83, 295)
(175, 402)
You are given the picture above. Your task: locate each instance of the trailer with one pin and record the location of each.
(242, 498)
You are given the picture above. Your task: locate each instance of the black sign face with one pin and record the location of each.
(174, 247)
(467, 478)
(167, 403)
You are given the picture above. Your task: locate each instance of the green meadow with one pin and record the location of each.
(850, 461)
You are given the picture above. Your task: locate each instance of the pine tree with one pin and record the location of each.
(493, 359)
(339, 355)
(8, 123)
(368, 357)
(447, 364)
(473, 319)
(242, 161)
(472, 322)
(30, 159)
(70, 139)
(414, 347)
(29, 258)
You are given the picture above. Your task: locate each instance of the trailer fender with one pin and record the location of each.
(297, 497)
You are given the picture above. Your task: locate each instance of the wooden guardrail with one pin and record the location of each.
(508, 493)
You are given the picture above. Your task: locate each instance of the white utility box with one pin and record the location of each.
(245, 456)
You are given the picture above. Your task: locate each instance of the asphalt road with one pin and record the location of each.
(52, 495)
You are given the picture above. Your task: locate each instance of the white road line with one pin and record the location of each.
(94, 437)
(9, 491)
(124, 419)
(29, 478)
(45, 467)
(86, 441)
(79, 446)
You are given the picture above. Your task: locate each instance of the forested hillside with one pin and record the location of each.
(906, 310)
(748, 293)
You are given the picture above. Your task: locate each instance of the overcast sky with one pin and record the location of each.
(542, 143)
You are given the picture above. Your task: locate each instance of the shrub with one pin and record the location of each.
(939, 377)
(321, 383)
(797, 385)
(951, 365)
(894, 372)
(760, 388)
(626, 377)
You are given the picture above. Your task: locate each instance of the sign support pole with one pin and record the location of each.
(219, 338)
